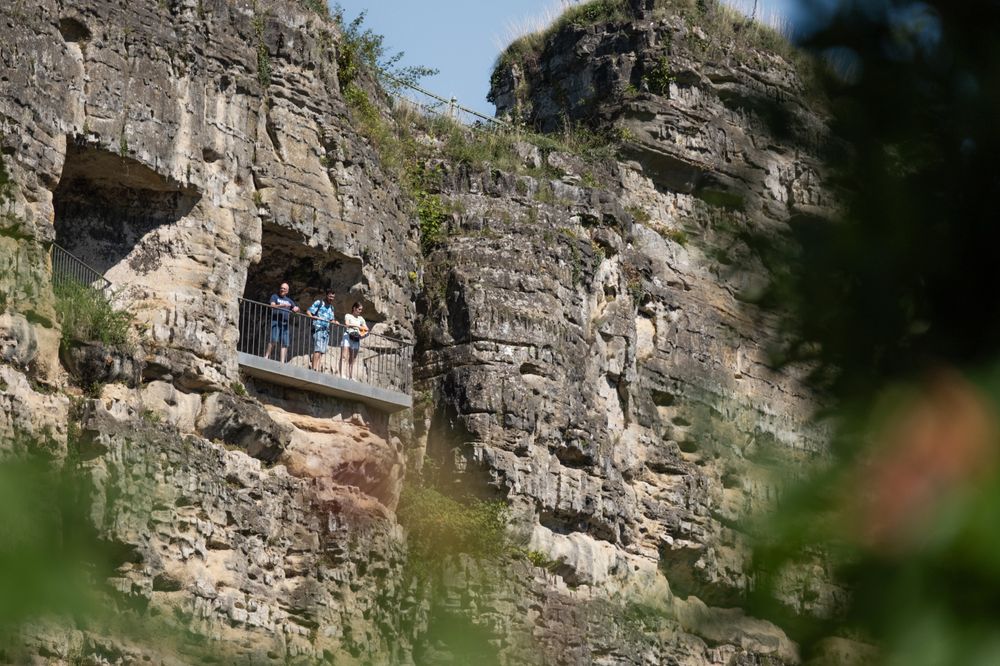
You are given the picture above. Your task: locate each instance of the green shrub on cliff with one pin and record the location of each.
(361, 48)
(263, 53)
(86, 315)
(439, 526)
(432, 215)
(659, 77)
(6, 184)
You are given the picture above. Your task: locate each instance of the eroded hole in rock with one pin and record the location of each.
(106, 204)
(568, 521)
(662, 398)
(533, 369)
(74, 31)
(688, 445)
(731, 478)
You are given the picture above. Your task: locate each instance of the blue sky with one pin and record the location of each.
(462, 38)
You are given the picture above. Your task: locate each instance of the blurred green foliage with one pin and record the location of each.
(439, 526)
(458, 550)
(46, 555)
(56, 567)
(891, 304)
(903, 279)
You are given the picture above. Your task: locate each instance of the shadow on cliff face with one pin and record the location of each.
(107, 204)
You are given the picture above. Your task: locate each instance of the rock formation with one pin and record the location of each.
(193, 152)
(596, 354)
(588, 350)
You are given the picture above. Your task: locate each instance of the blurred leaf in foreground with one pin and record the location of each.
(894, 305)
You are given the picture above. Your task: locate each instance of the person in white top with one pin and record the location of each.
(351, 342)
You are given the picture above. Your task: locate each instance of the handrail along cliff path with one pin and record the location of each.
(381, 374)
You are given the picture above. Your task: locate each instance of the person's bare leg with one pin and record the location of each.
(270, 348)
(284, 353)
(350, 366)
(316, 356)
(343, 355)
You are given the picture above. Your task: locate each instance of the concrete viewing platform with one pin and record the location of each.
(286, 374)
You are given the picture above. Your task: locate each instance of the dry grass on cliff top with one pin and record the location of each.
(731, 32)
(408, 137)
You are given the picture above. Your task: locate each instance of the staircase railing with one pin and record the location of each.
(67, 268)
(432, 104)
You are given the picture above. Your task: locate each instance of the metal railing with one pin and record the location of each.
(67, 268)
(379, 361)
(431, 104)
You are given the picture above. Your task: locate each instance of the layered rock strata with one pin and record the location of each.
(195, 153)
(595, 352)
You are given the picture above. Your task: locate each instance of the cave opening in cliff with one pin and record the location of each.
(286, 256)
(106, 204)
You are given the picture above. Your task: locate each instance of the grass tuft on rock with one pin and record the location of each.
(87, 315)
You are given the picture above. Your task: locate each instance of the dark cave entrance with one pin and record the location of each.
(286, 256)
(106, 204)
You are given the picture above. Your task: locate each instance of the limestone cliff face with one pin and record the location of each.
(586, 346)
(596, 354)
(720, 157)
(196, 153)
(190, 150)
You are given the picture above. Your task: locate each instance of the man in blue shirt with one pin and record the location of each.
(283, 307)
(322, 314)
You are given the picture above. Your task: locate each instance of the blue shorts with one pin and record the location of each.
(321, 339)
(279, 332)
(347, 343)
